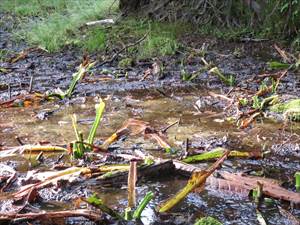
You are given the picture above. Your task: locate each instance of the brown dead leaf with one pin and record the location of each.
(135, 127)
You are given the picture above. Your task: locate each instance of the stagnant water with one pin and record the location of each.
(205, 128)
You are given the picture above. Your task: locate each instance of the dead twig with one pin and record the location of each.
(123, 49)
(9, 181)
(245, 123)
(164, 130)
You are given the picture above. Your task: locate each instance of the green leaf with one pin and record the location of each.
(94, 200)
(208, 221)
(278, 65)
(297, 178)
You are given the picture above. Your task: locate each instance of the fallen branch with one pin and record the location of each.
(92, 215)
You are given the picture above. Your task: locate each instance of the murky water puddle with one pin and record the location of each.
(205, 127)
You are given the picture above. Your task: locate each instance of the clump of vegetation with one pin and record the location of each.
(156, 45)
(162, 37)
(290, 109)
(125, 63)
(128, 214)
(3, 54)
(226, 80)
(232, 19)
(81, 146)
(208, 221)
(95, 40)
(58, 22)
(33, 7)
(161, 41)
(54, 24)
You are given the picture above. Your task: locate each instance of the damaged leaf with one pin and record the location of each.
(218, 152)
(197, 180)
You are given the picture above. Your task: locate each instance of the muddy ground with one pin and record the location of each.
(161, 100)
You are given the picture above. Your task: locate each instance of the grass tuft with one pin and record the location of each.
(25, 8)
(157, 45)
(95, 40)
(162, 40)
(55, 23)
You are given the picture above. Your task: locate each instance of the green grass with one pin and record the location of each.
(3, 55)
(33, 7)
(162, 38)
(158, 45)
(56, 31)
(95, 40)
(53, 24)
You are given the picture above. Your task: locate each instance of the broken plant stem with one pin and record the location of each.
(227, 80)
(30, 148)
(97, 202)
(50, 180)
(257, 192)
(218, 152)
(164, 130)
(99, 111)
(137, 213)
(128, 214)
(260, 218)
(74, 124)
(197, 180)
(245, 123)
(78, 76)
(132, 178)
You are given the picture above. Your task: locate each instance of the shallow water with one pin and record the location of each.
(205, 128)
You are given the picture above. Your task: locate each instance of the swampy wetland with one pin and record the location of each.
(109, 118)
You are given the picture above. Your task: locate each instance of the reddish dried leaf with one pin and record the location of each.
(135, 127)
